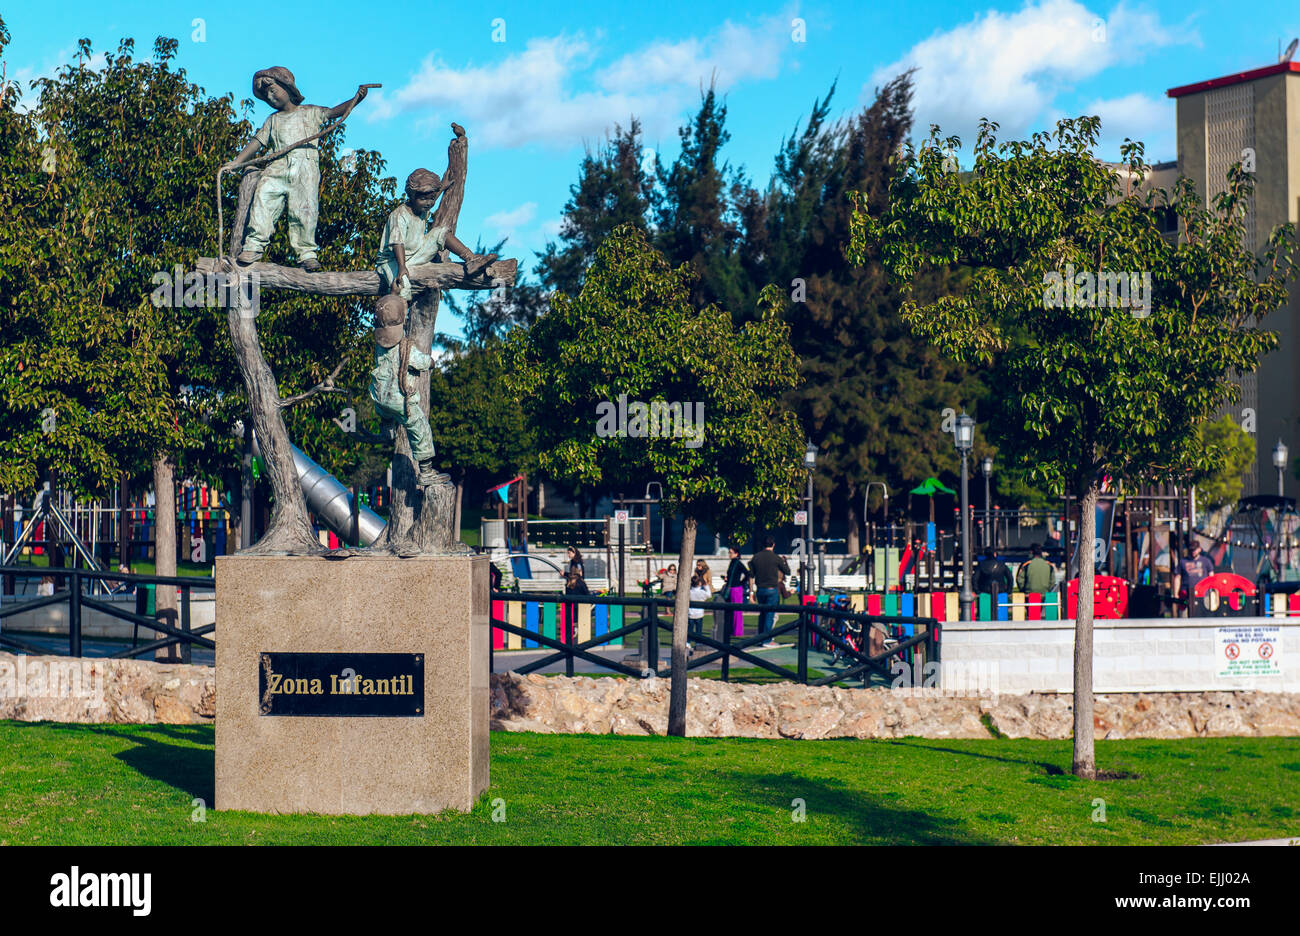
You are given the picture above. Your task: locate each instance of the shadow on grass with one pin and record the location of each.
(1052, 770)
(158, 756)
(870, 819)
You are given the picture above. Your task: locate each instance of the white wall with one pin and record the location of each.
(1153, 655)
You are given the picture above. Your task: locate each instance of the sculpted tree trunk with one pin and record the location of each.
(164, 549)
(681, 620)
(433, 529)
(1085, 761)
(289, 531)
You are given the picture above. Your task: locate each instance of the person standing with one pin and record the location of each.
(1037, 576)
(769, 571)
(575, 563)
(573, 585)
(695, 616)
(670, 581)
(1193, 568)
(736, 589)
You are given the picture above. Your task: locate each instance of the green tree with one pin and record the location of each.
(478, 425)
(873, 393)
(1114, 387)
(78, 388)
(615, 186)
(1231, 454)
(696, 218)
(633, 331)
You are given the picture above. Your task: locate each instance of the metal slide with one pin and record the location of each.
(330, 501)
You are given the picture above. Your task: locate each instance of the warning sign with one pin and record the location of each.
(1248, 651)
(801, 518)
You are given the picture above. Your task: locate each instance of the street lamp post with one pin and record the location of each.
(986, 468)
(809, 462)
(964, 437)
(1280, 455)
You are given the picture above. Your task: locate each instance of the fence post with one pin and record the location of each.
(651, 642)
(726, 640)
(803, 643)
(186, 646)
(74, 614)
(570, 632)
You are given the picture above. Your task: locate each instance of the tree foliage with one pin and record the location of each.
(1083, 388)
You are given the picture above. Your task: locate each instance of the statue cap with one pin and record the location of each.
(390, 320)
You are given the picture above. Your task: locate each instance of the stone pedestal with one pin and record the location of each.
(427, 615)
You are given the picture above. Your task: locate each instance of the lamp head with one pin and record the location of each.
(965, 433)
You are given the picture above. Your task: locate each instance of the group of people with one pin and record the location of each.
(761, 580)
(992, 577)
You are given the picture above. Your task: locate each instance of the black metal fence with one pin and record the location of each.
(842, 632)
(70, 588)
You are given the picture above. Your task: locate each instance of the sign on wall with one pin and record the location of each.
(1248, 651)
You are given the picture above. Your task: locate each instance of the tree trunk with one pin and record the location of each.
(853, 544)
(460, 503)
(165, 607)
(677, 692)
(123, 521)
(289, 532)
(1085, 761)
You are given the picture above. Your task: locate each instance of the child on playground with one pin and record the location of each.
(292, 180)
(410, 237)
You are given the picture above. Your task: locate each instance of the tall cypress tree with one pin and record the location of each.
(873, 394)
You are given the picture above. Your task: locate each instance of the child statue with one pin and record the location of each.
(410, 237)
(395, 399)
(291, 180)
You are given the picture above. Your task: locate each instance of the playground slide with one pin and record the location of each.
(330, 501)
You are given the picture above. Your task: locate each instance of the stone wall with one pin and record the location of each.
(95, 690)
(787, 710)
(92, 691)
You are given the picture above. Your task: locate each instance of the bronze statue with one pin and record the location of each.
(291, 177)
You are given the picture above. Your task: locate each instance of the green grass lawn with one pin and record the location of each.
(80, 784)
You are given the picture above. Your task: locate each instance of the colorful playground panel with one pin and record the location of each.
(548, 618)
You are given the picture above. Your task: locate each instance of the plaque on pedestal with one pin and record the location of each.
(351, 687)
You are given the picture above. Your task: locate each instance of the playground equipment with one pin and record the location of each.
(332, 503)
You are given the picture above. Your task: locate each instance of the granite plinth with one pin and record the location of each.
(435, 607)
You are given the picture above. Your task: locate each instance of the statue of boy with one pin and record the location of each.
(395, 399)
(410, 238)
(293, 180)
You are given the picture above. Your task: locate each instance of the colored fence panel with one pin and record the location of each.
(548, 620)
(515, 612)
(939, 606)
(1003, 607)
(584, 622)
(533, 619)
(615, 622)
(498, 635)
(985, 612)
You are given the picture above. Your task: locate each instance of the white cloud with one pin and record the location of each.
(552, 93)
(507, 222)
(1010, 67)
(1140, 117)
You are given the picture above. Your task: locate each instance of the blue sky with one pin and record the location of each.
(566, 72)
